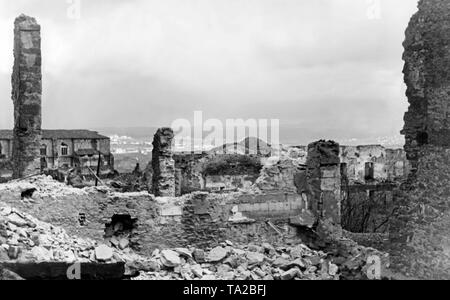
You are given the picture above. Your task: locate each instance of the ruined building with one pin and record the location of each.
(29, 150)
(65, 149)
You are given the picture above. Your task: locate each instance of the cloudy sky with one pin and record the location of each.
(322, 66)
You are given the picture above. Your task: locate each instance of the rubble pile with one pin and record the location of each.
(24, 239)
(278, 172)
(41, 186)
(254, 262)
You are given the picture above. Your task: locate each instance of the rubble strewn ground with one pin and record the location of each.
(256, 262)
(44, 186)
(24, 239)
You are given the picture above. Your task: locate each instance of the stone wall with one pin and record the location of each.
(26, 95)
(189, 176)
(324, 180)
(200, 218)
(427, 76)
(419, 237)
(163, 164)
(420, 232)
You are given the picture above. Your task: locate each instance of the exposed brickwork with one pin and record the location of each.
(163, 181)
(26, 95)
(420, 231)
(200, 218)
(419, 243)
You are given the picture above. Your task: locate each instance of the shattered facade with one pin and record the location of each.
(26, 95)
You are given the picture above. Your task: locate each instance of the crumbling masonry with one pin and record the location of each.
(324, 180)
(427, 76)
(163, 164)
(419, 234)
(26, 95)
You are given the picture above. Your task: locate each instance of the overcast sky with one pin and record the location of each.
(325, 65)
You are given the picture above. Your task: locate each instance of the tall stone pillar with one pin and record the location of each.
(324, 180)
(26, 96)
(163, 164)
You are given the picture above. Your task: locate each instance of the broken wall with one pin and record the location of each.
(227, 183)
(427, 77)
(213, 172)
(324, 180)
(189, 168)
(419, 239)
(195, 219)
(163, 164)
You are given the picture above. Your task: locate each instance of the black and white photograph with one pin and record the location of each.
(226, 146)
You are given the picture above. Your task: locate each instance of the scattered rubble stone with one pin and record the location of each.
(255, 258)
(217, 254)
(291, 274)
(199, 255)
(225, 264)
(170, 258)
(123, 243)
(103, 253)
(13, 252)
